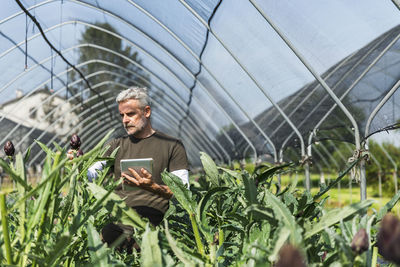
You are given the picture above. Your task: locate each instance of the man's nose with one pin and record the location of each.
(125, 119)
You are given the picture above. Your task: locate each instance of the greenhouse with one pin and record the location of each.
(287, 112)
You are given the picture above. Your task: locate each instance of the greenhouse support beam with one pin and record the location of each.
(348, 72)
(379, 106)
(103, 71)
(262, 90)
(118, 36)
(363, 190)
(180, 41)
(57, 51)
(173, 57)
(206, 142)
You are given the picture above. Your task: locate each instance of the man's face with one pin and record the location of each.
(134, 118)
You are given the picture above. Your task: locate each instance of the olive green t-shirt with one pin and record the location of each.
(168, 153)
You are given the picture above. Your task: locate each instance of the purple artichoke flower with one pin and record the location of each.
(75, 142)
(360, 242)
(290, 256)
(9, 148)
(389, 238)
(79, 153)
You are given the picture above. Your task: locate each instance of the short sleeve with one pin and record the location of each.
(178, 159)
(113, 145)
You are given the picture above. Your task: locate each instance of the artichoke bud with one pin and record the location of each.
(360, 242)
(290, 256)
(9, 148)
(75, 142)
(79, 153)
(389, 238)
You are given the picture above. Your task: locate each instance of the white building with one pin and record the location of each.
(41, 110)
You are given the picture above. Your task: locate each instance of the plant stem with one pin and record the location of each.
(374, 256)
(196, 232)
(221, 235)
(4, 222)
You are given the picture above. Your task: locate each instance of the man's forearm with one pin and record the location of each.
(161, 190)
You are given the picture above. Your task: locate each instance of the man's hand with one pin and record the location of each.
(146, 182)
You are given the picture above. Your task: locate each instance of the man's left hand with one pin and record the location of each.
(145, 180)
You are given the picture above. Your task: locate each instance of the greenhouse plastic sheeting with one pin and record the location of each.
(236, 79)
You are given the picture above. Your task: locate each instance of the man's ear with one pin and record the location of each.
(147, 111)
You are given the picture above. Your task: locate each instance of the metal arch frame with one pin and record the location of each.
(110, 64)
(130, 42)
(100, 72)
(194, 55)
(363, 182)
(105, 49)
(249, 75)
(174, 58)
(309, 154)
(136, 75)
(359, 62)
(379, 106)
(204, 88)
(159, 45)
(358, 79)
(109, 13)
(363, 190)
(72, 83)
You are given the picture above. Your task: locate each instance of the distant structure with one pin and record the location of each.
(43, 110)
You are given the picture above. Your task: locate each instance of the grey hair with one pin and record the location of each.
(134, 92)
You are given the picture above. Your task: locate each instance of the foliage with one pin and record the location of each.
(56, 222)
(227, 218)
(108, 63)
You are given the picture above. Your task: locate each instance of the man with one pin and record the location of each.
(143, 191)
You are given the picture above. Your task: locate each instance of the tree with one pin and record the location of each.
(128, 73)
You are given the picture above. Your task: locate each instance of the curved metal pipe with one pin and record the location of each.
(109, 13)
(380, 105)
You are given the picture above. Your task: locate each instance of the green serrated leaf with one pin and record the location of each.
(210, 168)
(179, 253)
(284, 213)
(283, 235)
(150, 249)
(388, 206)
(97, 249)
(117, 207)
(250, 189)
(334, 216)
(180, 191)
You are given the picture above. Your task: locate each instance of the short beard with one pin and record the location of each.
(138, 128)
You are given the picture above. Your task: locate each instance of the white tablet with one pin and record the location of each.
(136, 164)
